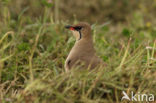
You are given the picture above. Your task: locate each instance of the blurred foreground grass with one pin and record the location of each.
(33, 52)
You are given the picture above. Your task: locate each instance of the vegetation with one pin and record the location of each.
(33, 49)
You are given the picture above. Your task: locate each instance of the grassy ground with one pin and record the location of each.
(33, 52)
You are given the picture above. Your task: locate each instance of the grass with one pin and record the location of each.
(33, 52)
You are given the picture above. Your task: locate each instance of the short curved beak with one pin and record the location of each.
(69, 27)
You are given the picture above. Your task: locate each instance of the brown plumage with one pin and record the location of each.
(83, 54)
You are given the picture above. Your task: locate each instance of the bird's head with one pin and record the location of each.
(81, 30)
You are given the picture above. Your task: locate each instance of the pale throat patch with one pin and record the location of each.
(77, 34)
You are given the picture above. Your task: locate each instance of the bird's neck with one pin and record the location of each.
(85, 44)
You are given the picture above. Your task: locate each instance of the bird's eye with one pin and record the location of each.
(78, 28)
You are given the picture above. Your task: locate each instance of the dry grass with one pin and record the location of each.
(33, 52)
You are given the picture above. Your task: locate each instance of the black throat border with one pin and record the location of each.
(80, 35)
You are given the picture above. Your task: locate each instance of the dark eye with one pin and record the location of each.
(78, 28)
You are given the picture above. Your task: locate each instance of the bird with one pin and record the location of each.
(82, 54)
